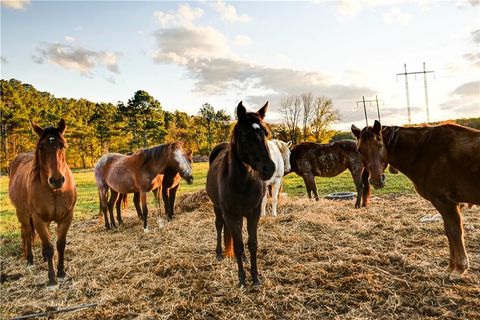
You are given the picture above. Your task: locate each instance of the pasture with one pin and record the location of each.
(317, 260)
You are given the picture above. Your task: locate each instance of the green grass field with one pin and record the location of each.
(87, 202)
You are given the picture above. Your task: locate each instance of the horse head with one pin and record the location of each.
(183, 162)
(50, 153)
(250, 141)
(372, 148)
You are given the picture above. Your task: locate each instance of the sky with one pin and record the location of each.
(189, 53)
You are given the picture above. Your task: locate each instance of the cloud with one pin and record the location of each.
(242, 40)
(76, 58)
(69, 38)
(395, 15)
(474, 57)
(468, 89)
(228, 12)
(3, 60)
(15, 4)
(183, 17)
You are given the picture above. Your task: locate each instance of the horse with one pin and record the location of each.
(236, 186)
(138, 173)
(309, 159)
(42, 189)
(280, 154)
(443, 162)
(165, 184)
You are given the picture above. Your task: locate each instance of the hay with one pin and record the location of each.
(317, 260)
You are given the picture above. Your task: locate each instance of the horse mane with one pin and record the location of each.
(282, 146)
(156, 152)
(47, 131)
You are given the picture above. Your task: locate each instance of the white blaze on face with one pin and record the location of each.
(183, 163)
(255, 126)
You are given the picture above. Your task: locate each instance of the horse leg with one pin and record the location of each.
(111, 203)
(307, 180)
(166, 200)
(219, 226)
(357, 180)
(103, 195)
(235, 227)
(453, 225)
(366, 188)
(156, 195)
(62, 229)
(143, 200)
(275, 192)
(171, 200)
(27, 238)
(252, 223)
(136, 202)
(47, 248)
(118, 205)
(264, 205)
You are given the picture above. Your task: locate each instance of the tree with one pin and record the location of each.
(290, 106)
(324, 114)
(307, 103)
(216, 124)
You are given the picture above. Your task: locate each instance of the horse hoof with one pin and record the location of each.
(219, 257)
(455, 275)
(257, 283)
(145, 230)
(241, 284)
(52, 286)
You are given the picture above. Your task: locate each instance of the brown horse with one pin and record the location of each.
(138, 173)
(42, 190)
(236, 185)
(310, 159)
(443, 162)
(166, 184)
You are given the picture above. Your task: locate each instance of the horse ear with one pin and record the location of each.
(241, 112)
(38, 130)
(356, 131)
(262, 111)
(377, 127)
(289, 144)
(61, 126)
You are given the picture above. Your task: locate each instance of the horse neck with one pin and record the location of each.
(403, 147)
(157, 166)
(239, 171)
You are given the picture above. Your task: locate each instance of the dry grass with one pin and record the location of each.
(317, 260)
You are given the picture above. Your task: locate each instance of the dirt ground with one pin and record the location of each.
(317, 260)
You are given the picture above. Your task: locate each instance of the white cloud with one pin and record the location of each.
(228, 12)
(242, 40)
(15, 4)
(69, 38)
(396, 15)
(184, 17)
(76, 58)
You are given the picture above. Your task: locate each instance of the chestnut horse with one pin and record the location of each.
(443, 162)
(42, 190)
(309, 159)
(166, 184)
(138, 173)
(236, 186)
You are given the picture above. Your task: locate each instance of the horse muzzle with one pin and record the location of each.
(267, 171)
(56, 184)
(189, 180)
(378, 184)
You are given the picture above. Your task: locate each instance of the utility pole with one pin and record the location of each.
(365, 107)
(407, 92)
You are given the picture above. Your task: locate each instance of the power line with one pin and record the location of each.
(370, 103)
(424, 72)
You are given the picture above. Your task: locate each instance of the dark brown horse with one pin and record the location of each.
(165, 184)
(310, 160)
(236, 186)
(42, 190)
(443, 162)
(138, 173)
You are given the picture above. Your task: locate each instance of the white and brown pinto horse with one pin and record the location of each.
(280, 155)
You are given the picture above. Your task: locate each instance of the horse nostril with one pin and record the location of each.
(382, 178)
(51, 180)
(62, 179)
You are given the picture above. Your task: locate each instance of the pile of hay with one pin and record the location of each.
(317, 260)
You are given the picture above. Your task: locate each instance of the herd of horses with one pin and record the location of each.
(442, 161)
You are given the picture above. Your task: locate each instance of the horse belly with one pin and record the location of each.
(121, 180)
(328, 166)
